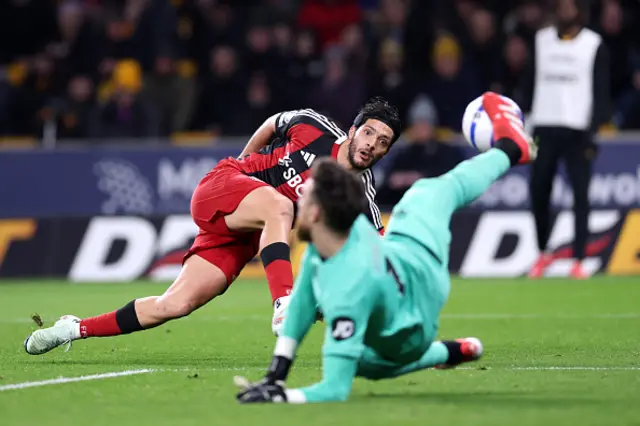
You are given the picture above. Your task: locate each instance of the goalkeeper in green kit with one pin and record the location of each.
(381, 297)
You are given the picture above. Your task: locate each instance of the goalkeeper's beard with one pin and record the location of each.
(304, 234)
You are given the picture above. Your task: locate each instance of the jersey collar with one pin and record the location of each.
(336, 147)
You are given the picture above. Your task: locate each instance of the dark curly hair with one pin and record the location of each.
(339, 193)
(378, 108)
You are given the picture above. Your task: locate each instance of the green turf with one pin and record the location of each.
(525, 327)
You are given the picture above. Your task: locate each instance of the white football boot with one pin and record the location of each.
(279, 314)
(64, 331)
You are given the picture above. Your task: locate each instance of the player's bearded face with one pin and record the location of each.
(369, 143)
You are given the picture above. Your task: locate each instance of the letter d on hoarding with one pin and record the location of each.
(482, 258)
(90, 263)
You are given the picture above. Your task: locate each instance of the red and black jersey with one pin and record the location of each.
(301, 137)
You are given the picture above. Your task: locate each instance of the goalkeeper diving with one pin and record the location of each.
(381, 297)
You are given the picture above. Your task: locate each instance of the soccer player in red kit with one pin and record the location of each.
(245, 206)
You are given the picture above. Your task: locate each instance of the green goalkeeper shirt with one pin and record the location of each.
(361, 293)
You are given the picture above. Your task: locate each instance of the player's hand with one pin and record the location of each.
(260, 392)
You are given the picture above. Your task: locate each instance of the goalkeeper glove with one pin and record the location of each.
(260, 392)
(269, 389)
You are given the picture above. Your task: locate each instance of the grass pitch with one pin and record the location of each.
(557, 353)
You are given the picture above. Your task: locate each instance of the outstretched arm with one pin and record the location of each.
(301, 313)
(278, 127)
(300, 317)
(338, 372)
(347, 311)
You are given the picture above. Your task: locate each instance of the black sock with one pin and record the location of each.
(509, 147)
(455, 352)
(127, 318)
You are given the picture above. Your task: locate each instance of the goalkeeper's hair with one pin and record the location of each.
(339, 193)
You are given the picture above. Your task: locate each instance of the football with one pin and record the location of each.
(477, 127)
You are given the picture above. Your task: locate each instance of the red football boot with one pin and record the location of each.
(577, 271)
(541, 265)
(507, 124)
(471, 349)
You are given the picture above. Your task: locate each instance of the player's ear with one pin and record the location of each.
(352, 132)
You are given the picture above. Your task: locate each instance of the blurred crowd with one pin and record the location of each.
(149, 68)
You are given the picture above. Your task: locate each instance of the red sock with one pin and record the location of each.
(122, 321)
(277, 267)
(100, 326)
(280, 278)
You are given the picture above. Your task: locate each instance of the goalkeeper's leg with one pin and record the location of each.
(441, 355)
(513, 146)
(425, 210)
(472, 178)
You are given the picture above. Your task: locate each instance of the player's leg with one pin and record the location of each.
(421, 218)
(424, 212)
(213, 262)
(208, 270)
(579, 158)
(426, 208)
(198, 282)
(211, 265)
(472, 178)
(441, 355)
(456, 188)
(256, 206)
(543, 170)
(266, 209)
